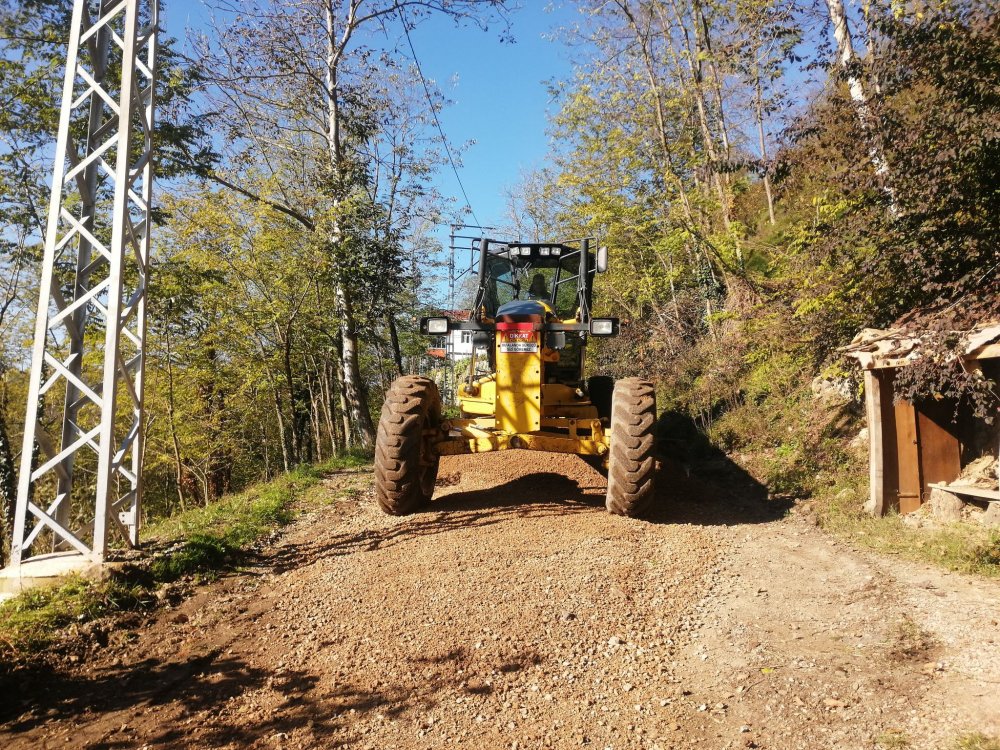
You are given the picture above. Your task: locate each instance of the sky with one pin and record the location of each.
(498, 92)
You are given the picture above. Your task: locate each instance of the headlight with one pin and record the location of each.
(557, 251)
(604, 326)
(545, 251)
(435, 325)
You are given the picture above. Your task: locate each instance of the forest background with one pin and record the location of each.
(756, 223)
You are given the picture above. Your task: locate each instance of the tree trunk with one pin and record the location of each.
(702, 20)
(298, 399)
(397, 354)
(762, 141)
(315, 421)
(218, 465)
(848, 61)
(329, 409)
(345, 417)
(694, 61)
(279, 414)
(8, 484)
(661, 125)
(352, 387)
(172, 422)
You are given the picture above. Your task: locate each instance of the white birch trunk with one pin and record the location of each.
(847, 58)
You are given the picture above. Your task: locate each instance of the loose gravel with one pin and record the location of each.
(515, 612)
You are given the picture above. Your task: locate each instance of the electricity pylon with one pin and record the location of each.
(88, 355)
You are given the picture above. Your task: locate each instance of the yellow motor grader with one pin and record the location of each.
(532, 314)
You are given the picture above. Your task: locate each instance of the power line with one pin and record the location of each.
(430, 103)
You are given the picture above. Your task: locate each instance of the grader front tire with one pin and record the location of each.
(631, 463)
(406, 465)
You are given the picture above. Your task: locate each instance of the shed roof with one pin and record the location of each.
(876, 348)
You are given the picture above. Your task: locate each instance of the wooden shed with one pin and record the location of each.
(917, 447)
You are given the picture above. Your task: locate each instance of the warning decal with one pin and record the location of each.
(518, 342)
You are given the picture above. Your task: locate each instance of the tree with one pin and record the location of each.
(292, 86)
(850, 66)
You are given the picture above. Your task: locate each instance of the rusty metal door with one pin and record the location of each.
(907, 457)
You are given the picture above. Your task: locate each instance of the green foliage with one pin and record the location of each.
(31, 621)
(734, 309)
(205, 540)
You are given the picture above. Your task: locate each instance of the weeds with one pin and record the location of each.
(911, 642)
(963, 547)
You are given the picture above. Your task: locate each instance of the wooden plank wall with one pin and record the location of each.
(909, 446)
(940, 447)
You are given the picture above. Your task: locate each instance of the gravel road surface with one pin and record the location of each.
(516, 613)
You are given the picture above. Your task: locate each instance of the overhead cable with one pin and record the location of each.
(437, 122)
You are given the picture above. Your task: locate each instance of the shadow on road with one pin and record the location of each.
(185, 702)
(531, 496)
(706, 489)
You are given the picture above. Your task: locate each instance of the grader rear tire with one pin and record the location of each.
(631, 463)
(406, 465)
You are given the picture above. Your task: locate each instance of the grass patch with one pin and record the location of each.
(911, 642)
(977, 741)
(800, 447)
(962, 547)
(205, 540)
(199, 542)
(894, 739)
(30, 621)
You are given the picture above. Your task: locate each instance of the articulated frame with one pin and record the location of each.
(90, 329)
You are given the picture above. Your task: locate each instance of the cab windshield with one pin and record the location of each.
(553, 280)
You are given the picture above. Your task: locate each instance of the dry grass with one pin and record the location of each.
(964, 547)
(977, 741)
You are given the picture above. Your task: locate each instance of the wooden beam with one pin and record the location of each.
(967, 489)
(876, 441)
(986, 351)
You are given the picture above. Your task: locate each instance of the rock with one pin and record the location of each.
(833, 388)
(981, 472)
(860, 441)
(945, 506)
(992, 516)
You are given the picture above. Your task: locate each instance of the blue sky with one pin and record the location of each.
(500, 99)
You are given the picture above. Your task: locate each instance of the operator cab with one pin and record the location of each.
(549, 285)
(541, 272)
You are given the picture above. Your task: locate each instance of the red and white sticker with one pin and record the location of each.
(518, 342)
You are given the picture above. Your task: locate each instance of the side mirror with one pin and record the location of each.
(602, 259)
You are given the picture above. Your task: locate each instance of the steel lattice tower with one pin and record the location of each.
(85, 477)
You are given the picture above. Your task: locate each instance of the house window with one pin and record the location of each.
(466, 337)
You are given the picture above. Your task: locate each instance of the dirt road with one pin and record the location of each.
(516, 613)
